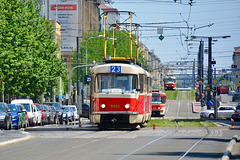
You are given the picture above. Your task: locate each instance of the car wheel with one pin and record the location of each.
(5, 127)
(67, 122)
(211, 116)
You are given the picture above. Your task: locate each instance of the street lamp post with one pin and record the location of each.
(87, 49)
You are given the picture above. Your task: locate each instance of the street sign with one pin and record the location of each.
(89, 79)
(211, 103)
(215, 81)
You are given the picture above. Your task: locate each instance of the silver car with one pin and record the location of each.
(223, 112)
(236, 115)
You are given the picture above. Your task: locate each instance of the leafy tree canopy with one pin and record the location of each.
(29, 65)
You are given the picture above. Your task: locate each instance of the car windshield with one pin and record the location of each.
(53, 109)
(12, 108)
(46, 107)
(2, 108)
(38, 107)
(56, 105)
(18, 107)
(27, 107)
(66, 109)
(116, 83)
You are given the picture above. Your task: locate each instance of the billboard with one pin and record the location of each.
(66, 13)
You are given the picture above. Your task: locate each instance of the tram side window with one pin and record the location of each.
(149, 85)
(145, 84)
(163, 99)
(134, 83)
(141, 77)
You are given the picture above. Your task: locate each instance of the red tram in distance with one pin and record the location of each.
(170, 83)
(120, 95)
(158, 104)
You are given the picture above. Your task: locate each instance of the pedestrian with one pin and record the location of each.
(202, 102)
(196, 95)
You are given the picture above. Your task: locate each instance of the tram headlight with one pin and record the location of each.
(127, 106)
(103, 106)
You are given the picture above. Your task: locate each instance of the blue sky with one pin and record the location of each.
(222, 16)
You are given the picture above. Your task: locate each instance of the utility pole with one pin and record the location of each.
(193, 74)
(209, 97)
(82, 89)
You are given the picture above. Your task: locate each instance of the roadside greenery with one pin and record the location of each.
(180, 122)
(174, 95)
(29, 65)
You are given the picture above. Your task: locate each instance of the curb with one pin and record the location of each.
(227, 154)
(17, 139)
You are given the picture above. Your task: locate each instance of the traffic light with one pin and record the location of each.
(236, 75)
(213, 62)
(218, 90)
(234, 66)
(224, 75)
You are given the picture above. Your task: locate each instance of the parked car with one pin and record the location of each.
(43, 113)
(236, 115)
(40, 114)
(16, 119)
(23, 115)
(75, 113)
(31, 110)
(5, 116)
(223, 112)
(67, 114)
(85, 110)
(49, 112)
(55, 113)
(59, 110)
(236, 97)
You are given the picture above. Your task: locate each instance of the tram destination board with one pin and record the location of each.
(115, 69)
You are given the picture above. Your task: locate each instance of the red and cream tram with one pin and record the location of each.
(158, 104)
(170, 83)
(120, 95)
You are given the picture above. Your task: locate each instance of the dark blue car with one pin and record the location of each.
(16, 119)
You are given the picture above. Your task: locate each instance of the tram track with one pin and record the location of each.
(169, 135)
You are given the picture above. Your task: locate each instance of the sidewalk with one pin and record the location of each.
(13, 136)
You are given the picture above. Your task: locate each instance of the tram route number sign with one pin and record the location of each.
(115, 69)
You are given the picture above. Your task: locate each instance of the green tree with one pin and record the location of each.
(28, 60)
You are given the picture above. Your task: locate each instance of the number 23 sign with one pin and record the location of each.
(115, 69)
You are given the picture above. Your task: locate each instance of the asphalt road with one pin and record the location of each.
(57, 142)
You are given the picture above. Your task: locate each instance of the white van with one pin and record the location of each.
(31, 110)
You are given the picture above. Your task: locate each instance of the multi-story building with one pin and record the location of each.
(76, 17)
(235, 71)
